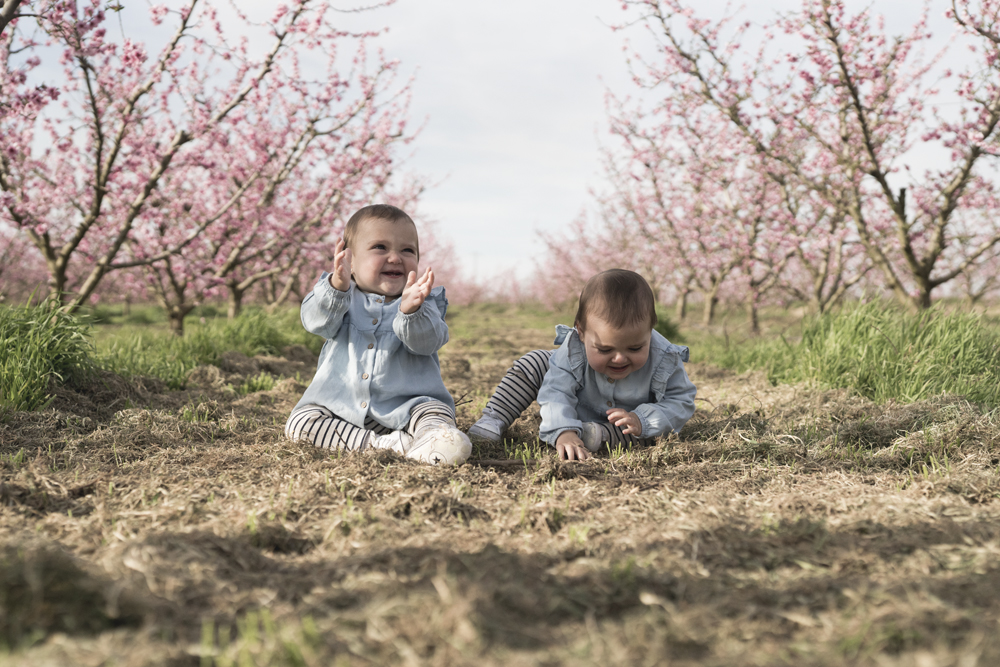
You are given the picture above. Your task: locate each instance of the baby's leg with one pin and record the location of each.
(436, 439)
(429, 414)
(598, 434)
(518, 388)
(326, 430)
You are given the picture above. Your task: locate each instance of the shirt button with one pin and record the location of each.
(371, 345)
(363, 404)
(364, 376)
(375, 321)
(609, 404)
(610, 380)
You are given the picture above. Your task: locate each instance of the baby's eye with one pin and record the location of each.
(378, 246)
(604, 350)
(410, 250)
(636, 349)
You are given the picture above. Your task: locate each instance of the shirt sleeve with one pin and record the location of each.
(323, 310)
(424, 331)
(674, 393)
(558, 397)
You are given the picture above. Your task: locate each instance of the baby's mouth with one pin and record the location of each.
(393, 274)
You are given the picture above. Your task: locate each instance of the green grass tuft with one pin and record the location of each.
(259, 382)
(162, 355)
(40, 344)
(883, 354)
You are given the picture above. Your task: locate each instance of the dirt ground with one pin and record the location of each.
(784, 526)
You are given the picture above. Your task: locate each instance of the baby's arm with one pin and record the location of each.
(557, 397)
(322, 311)
(673, 408)
(424, 330)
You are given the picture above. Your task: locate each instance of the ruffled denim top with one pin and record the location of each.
(376, 361)
(660, 392)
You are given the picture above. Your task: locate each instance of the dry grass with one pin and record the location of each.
(785, 526)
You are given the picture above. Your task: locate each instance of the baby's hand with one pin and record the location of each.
(570, 447)
(627, 421)
(416, 291)
(341, 276)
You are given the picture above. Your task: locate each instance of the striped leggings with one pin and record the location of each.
(322, 428)
(519, 387)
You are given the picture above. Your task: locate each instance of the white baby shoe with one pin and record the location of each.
(489, 427)
(440, 445)
(397, 441)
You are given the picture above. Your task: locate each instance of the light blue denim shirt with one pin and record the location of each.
(376, 360)
(572, 392)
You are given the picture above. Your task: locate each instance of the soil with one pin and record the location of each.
(785, 525)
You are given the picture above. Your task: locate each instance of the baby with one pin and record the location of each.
(613, 379)
(378, 381)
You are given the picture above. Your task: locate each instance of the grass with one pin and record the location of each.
(139, 351)
(883, 354)
(39, 344)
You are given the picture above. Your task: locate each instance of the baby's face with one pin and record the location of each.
(616, 352)
(384, 253)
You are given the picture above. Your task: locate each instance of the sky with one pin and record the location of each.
(510, 98)
(511, 95)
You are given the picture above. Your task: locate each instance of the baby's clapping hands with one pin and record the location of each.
(340, 277)
(416, 291)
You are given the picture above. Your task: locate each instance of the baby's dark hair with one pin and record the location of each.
(376, 212)
(619, 297)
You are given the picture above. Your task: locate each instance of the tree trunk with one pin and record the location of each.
(924, 298)
(711, 301)
(235, 302)
(176, 315)
(681, 305)
(57, 284)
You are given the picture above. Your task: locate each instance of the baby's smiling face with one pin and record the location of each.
(384, 253)
(616, 352)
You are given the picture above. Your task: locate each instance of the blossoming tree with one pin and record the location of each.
(137, 159)
(833, 121)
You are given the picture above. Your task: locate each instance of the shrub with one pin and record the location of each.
(40, 344)
(884, 353)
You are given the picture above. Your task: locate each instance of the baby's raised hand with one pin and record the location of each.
(340, 278)
(627, 421)
(416, 291)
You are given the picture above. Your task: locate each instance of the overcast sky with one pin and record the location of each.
(511, 98)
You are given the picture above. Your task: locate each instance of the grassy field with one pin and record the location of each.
(792, 522)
